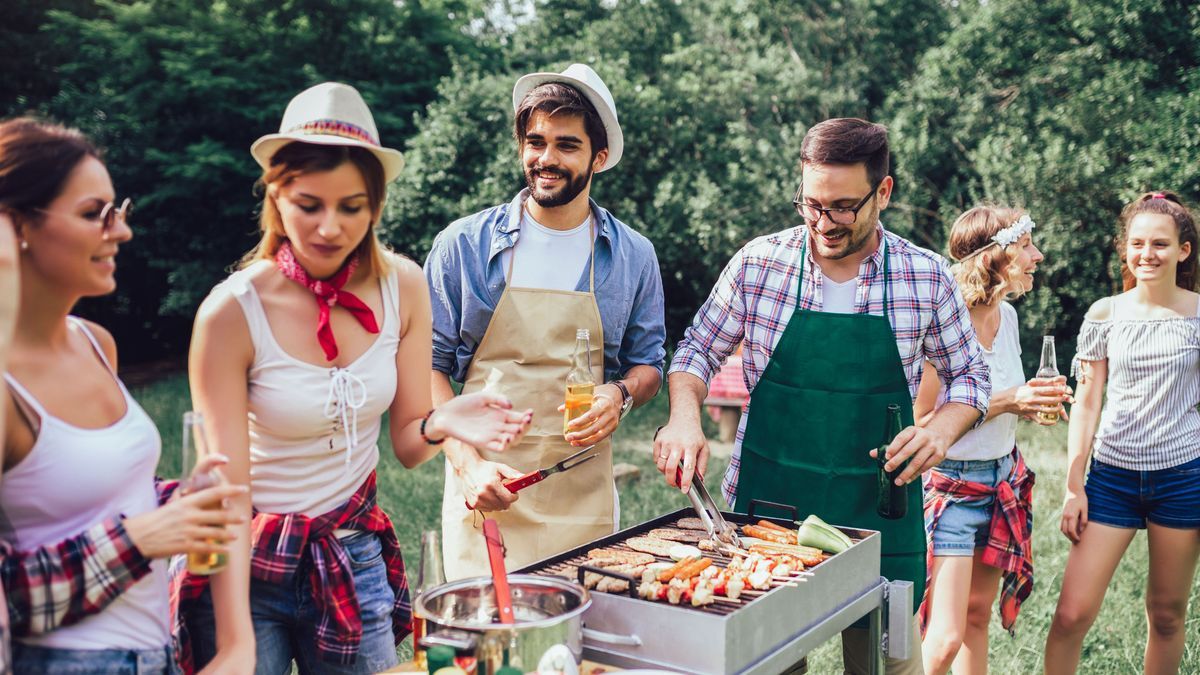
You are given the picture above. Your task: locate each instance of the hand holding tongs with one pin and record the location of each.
(539, 475)
(719, 529)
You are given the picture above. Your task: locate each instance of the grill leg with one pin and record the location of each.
(875, 659)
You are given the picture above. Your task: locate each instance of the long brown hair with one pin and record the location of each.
(36, 158)
(985, 277)
(1168, 204)
(296, 159)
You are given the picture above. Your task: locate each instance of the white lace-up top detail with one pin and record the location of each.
(347, 395)
(313, 429)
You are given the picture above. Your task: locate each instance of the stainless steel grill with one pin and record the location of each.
(762, 632)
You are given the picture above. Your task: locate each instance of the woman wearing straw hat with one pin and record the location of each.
(295, 359)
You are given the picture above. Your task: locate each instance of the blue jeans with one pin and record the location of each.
(965, 526)
(31, 659)
(1125, 498)
(285, 619)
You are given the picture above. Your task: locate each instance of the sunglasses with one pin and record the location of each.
(109, 214)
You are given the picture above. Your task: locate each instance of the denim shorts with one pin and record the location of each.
(1125, 498)
(285, 619)
(31, 659)
(965, 526)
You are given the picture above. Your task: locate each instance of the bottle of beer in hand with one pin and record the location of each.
(1048, 369)
(892, 499)
(580, 383)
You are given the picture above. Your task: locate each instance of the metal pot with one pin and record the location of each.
(548, 612)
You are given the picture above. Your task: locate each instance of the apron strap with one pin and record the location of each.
(800, 276)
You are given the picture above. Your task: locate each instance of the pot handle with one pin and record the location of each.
(459, 640)
(608, 573)
(611, 638)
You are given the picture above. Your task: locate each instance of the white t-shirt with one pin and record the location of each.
(546, 258)
(996, 437)
(838, 297)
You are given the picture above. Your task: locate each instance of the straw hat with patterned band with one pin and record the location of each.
(330, 113)
(586, 80)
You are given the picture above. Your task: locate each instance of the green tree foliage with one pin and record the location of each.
(176, 91)
(713, 98)
(1067, 107)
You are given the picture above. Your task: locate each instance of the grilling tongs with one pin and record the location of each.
(719, 530)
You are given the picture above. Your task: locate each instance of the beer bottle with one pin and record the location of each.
(1048, 369)
(580, 383)
(892, 500)
(430, 575)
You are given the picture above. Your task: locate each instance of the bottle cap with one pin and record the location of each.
(439, 657)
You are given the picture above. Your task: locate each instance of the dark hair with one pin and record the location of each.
(848, 140)
(298, 158)
(36, 158)
(1167, 204)
(556, 98)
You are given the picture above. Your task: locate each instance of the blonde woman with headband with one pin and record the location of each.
(984, 480)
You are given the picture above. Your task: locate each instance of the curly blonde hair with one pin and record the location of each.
(985, 278)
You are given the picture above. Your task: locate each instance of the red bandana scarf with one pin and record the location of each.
(328, 293)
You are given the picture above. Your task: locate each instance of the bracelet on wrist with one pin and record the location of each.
(424, 437)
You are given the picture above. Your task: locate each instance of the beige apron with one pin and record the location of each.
(530, 340)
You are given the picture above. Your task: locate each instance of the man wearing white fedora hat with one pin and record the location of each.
(511, 286)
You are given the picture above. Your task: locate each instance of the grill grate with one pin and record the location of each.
(566, 564)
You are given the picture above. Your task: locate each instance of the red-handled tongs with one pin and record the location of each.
(495, 549)
(539, 475)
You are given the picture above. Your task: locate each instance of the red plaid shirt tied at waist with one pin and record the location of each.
(1010, 540)
(283, 543)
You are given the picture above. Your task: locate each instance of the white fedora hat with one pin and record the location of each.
(586, 80)
(330, 113)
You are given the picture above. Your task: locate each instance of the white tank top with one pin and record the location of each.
(74, 478)
(996, 437)
(313, 429)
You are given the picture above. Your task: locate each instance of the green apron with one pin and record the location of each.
(819, 408)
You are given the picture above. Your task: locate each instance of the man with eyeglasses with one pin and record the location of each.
(838, 317)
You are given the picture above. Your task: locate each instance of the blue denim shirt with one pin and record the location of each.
(466, 278)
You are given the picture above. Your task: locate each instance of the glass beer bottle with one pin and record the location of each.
(580, 383)
(891, 500)
(430, 575)
(1048, 369)
(194, 448)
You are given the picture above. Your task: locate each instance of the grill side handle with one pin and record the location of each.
(773, 505)
(583, 569)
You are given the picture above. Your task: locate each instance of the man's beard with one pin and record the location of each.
(563, 195)
(856, 240)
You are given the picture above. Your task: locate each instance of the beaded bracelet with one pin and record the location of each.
(425, 438)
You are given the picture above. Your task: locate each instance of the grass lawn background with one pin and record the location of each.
(1115, 644)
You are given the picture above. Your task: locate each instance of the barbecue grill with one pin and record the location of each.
(762, 632)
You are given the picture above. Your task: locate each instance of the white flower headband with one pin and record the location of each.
(1009, 235)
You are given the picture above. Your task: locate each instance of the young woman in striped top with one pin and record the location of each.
(1144, 437)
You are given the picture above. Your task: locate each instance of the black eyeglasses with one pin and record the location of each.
(838, 215)
(109, 214)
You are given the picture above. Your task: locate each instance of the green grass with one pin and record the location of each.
(1115, 644)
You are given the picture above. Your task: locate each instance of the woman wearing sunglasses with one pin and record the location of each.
(295, 359)
(79, 460)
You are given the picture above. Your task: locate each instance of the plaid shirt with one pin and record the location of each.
(1010, 539)
(280, 543)
(60, 584)
(756, 294)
